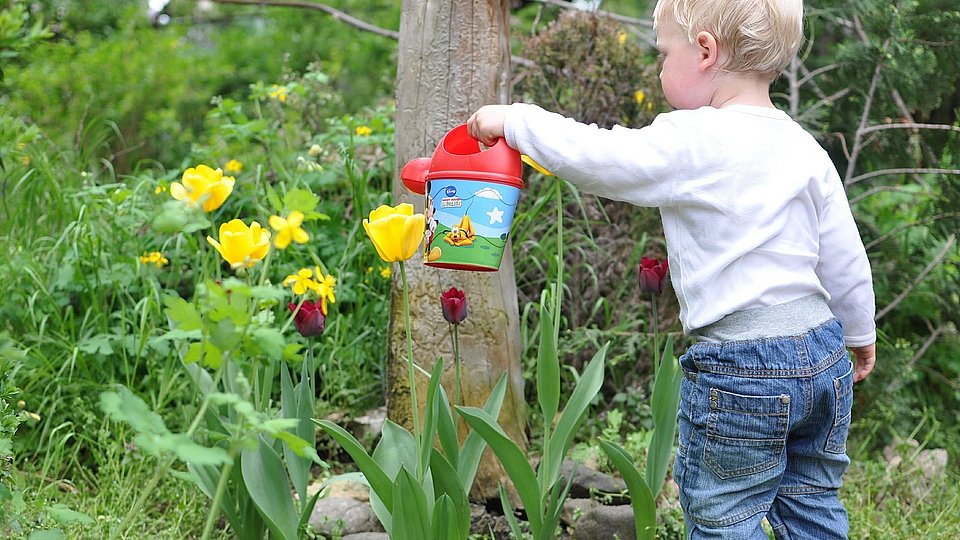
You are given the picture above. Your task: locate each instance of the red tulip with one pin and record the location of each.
(652, 275)
(454, 305)
(309, 319)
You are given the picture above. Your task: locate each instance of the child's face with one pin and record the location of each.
(685, 84)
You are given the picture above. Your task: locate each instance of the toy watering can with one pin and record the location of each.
(471, 195)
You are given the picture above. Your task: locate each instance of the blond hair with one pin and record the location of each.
(760, 36)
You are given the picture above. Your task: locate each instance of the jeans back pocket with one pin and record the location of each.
(843, 390)
(745, 434)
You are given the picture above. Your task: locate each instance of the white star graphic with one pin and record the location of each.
(496, 215)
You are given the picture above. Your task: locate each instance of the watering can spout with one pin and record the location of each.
(414, 174)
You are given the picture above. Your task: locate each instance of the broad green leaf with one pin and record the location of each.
(298, 467)
(97, 344)
(429, 419)
(184, 314)
(378, 480)
(188, 451)
(446, 483)
(644, 507)
(270, 341)
(207, 477)
(124, 406)
(65, 516)
(445, 521)
(573, 413)
(177, 217)
(548, 368)
(474, 444)
(513, 459)
(300, 199)
(205, 352)
(508, 513)
(666, 395)
(447, 429)
(411, 519)
(266, 481)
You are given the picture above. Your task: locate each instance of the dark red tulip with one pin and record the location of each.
(652, 275)
(454, 305)
(309, 319)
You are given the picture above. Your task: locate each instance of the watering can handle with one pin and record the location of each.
(414, 174)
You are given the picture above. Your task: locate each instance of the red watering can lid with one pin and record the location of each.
(459, 156)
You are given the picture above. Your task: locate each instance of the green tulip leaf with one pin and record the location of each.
(411, 517)
(573, 413)
(513, 459)
(548, 368)
(378, 480)
(266, 481)
(666, 394)
(641, 499)
(473, 445)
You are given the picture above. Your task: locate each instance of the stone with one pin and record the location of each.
(586, 480)
(367, 536)
(574, 509)
(606, 523)
(343, 515)
(921, 471)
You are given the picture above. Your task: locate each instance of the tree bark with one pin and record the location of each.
(454, 57)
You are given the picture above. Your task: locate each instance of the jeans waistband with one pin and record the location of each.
(801, 355)
(786, 319)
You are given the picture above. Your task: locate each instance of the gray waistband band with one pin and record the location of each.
(787, 319)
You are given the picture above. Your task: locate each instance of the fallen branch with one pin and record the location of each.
(910, 125)
(920, 277)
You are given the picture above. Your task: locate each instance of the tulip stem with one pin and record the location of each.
(656, 335)
(456, 363)
(414, 404)
(558, 297)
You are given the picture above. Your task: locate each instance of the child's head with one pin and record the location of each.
(758, 36)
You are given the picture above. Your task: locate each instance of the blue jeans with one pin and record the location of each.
(763, 430)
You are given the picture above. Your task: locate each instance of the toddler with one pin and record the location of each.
(765, 258)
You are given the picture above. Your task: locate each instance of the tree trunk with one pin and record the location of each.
(453, 58)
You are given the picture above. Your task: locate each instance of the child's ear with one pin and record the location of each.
(709, 50)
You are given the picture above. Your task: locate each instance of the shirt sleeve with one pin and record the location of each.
(843, 267)
(638, 166)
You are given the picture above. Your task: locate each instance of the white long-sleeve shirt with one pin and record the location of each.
(753, 210)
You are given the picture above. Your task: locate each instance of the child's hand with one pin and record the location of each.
(486, 125)
(864, 359)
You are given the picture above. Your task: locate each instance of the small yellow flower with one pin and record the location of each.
(155, 258)
(233, 167)
(242, 246)
(289, 229)
(640, 96)
(301, 282)
(278, 93)
(363, 131)
(385, 272)
(160, 189)
(314, 150)
(369, 269)
(25, 160)
(203, 185)
(621, 37)
(326, 289)
(529, 161)
(396, 231)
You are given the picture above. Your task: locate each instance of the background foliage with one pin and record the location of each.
(100, 110)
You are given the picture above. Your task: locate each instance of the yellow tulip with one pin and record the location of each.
(288, 229)
(203, 185)
(242, 246)
(396, 231)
